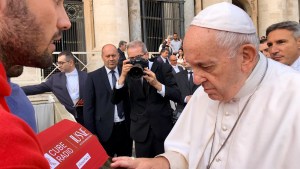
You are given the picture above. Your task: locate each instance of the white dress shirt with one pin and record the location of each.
(109, 75)
(73, 85)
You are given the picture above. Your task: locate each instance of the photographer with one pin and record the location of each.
(151, 86)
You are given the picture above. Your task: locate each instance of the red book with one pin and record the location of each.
(67, 144)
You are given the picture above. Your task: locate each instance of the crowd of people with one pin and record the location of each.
(236, 97)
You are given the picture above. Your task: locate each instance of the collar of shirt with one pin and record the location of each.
(296, 64)
(163, 59)
(73, 73)
(116, 71)
(150, 65)
(254, 78)
(174, 66)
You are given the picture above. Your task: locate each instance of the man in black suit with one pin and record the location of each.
(121, 50)
(175, 66)
(163, 58)
(67, 85)
(150, 95)
(108, 121)
(186, 86)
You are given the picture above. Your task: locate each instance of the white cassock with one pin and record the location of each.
(267, 135)
(296, 64)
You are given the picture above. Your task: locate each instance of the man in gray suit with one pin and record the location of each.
(67, 85)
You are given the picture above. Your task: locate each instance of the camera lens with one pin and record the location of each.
(136, 71)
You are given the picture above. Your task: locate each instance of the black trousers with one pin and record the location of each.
(119, 143)
(150, 147)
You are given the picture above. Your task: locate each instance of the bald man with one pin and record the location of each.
(108, 121)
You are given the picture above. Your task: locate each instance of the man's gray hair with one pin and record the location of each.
(288, 25)
(137, 43)
(233, 41)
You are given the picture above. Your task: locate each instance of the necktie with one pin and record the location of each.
(119, 105)
(167, 61)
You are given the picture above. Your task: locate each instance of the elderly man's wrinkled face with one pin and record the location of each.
(28, 30)
(220, 75)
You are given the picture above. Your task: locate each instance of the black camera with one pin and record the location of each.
(139, 63)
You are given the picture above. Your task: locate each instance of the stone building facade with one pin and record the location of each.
(109, 21)
(112, 24)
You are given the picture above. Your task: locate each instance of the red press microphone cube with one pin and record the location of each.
(69, 145)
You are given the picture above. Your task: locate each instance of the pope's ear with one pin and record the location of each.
(249, 54)
(249, 57)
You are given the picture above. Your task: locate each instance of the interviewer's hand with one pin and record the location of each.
(140, 163)
(151, 79)
(125, 69)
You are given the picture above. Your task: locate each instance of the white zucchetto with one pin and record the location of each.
(225, 17)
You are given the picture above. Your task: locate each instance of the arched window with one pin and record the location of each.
(73, 39)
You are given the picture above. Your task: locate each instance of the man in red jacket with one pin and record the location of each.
(27, 34)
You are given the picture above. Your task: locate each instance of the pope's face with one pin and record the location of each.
(220, 75)
(28, 30)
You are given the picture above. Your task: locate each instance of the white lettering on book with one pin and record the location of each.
(52, 162)
(60, 152)
(80, 135)
(83, 160)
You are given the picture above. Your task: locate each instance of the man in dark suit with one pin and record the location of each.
(175, 66)
(186, 86)
(163, 58)
(110, 122)
(121, 50)
(150, 95)
(67, 85)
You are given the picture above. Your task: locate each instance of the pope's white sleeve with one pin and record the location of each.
(176, 160)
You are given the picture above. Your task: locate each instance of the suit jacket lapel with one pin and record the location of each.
(81, 84)
(186, 77)
(104, 76)
(64, 83)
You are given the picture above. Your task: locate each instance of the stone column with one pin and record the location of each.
(277, 11)
(198, 6)
(189, 13)
(110, 26)
(135, 27)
